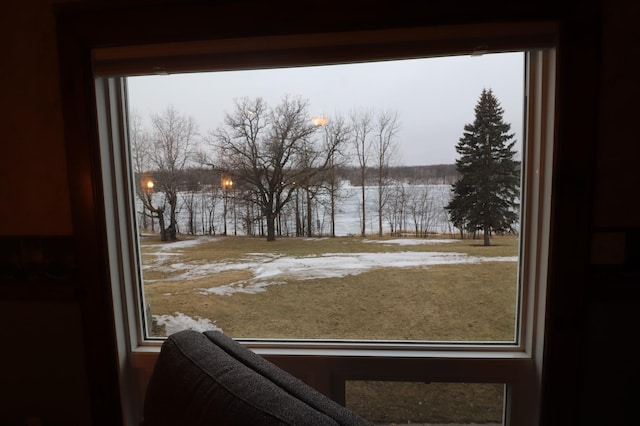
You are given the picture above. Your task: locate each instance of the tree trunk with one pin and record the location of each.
(333, 213)
(224, 215)
(144, 218)
(271, 227)
(298, 220)
(364, 221)
(380, 211)
(163, 230)
(487, 241)
(309, 215)
(173, 204)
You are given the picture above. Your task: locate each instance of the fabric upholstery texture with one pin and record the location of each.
(285, 381)
(210, 379)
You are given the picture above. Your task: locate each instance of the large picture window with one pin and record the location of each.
(355, 166)
(384, 215)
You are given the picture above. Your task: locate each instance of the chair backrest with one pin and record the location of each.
(286, 381)
(211, 379)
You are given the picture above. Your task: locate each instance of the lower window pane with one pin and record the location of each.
(387, 403)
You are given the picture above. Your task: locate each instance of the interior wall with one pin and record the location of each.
(611, 371)
(34, 198)
(43, 379)
(618, 148)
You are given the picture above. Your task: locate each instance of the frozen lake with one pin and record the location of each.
(407, 207)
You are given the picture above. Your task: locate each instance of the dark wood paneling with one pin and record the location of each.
(37, 268)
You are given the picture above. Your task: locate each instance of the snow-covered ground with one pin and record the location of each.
(180, 321)
(273, 269)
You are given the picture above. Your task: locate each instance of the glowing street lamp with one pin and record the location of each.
(227, 184)
(319, 120)
(147, 183)
(147, 186)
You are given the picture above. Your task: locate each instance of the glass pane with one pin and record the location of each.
(318, 202)
(387, 403)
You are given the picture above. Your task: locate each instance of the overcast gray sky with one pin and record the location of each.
(434, 97)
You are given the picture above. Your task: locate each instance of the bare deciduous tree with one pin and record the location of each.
(270, 149)
(362, 124)
(172, 143)
(385, 146)
(336, 133)
(141, 148)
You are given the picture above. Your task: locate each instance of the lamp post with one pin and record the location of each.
(147, 185)
(227, 184)
(235, 223)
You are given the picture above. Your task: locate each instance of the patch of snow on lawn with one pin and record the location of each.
(409, 241)
(196, 270)
(180, 321)
(246, 287)
(335, 265)
(163, 251)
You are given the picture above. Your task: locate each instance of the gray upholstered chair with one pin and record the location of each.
(210, 379)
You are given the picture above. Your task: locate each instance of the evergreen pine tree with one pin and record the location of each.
(485, 196)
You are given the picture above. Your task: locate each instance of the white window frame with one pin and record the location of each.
(324, 365)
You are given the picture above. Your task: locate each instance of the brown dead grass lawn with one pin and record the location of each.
(474, 302)
(417, 402)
